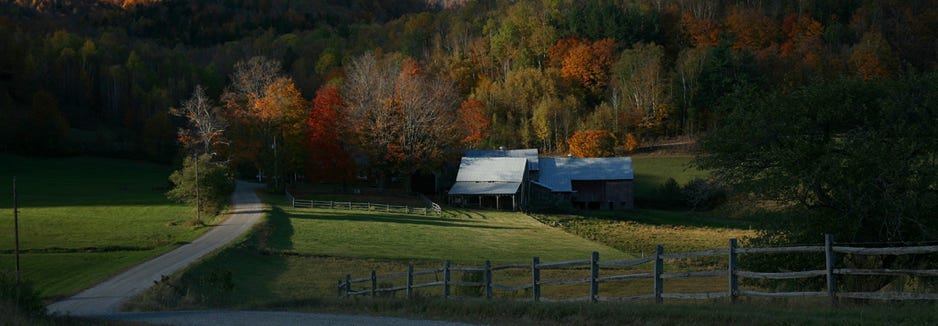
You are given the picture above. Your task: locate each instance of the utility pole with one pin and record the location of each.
(198, 196)
(16, 234)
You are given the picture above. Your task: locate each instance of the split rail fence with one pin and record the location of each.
(369, 285)
(349, 205)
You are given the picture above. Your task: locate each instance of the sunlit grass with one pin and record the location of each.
(83, 219)
(468, 237)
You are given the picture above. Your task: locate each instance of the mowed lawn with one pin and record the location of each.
(460, 236)
(84, 219)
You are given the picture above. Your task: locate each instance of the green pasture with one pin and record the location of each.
(460, 236)
(651, 171)
(83, 219)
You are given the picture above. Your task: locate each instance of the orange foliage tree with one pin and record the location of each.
(327, 159)
(803, 39)
(703, 32)
(588, 63)
(475, 124)
(751, 29)
(592, 143)
(872, 57)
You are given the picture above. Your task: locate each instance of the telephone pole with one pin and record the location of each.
(16, 233)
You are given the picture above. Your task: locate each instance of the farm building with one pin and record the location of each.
(495, 182)
(588, 183)
(486, 177)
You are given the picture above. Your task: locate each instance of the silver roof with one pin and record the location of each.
(491, 169)
(529, 153)
(485, 188)
(556, 173)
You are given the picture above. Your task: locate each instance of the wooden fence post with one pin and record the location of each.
(594, 277)
(410, 281)
(659, 268)
(446, 279)
(348, 284)
(536, 278)
(331, 204)
(733, 278)
(488, 279)
(829, 260)
(374, 282)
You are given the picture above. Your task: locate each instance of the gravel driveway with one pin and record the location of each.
(108, 296)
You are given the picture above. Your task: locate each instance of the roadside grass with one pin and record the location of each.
(504, 312)
(90, 217)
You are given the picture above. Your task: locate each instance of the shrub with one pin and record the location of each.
(703, 195)
(22, 296)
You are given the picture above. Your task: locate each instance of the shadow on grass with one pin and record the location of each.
(401, 219)
(237, 276)
(281, 235)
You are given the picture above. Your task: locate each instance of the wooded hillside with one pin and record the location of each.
(100, 76)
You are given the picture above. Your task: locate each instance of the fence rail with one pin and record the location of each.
(349, 286)
(350, 205)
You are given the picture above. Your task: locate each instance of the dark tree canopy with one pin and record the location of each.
(857, 159)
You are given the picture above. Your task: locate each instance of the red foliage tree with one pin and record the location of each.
(475, 124)
(328, 160)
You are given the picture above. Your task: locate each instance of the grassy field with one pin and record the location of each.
(90, 217)
(651, 171)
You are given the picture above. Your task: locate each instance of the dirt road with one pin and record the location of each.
(107, 297)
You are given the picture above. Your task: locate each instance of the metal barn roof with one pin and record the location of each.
(556, 173)
(488, 169)
(530, 154)
(489, 176)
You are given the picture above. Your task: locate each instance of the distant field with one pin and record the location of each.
(651, 171)
(83, 219)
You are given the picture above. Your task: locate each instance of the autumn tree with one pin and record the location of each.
(592, 143)
(401, 118)
(270, 119)
(639, 76)
(873, 58)
(328, 159)
(473, 122)
(522, 35)
(206, 122)
(588, 64)
(751, 29)
(704, 31)
(803, 45)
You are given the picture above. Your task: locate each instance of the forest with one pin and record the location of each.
(317, 87)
